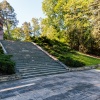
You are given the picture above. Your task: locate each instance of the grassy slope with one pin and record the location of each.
(62, 51)
(83, 58)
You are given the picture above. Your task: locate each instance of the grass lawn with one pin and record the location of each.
(83, 58)
(62, 52)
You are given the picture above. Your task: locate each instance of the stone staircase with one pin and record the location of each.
(31, 61)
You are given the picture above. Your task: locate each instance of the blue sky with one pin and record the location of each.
(27, 9)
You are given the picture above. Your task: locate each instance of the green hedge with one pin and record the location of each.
(1, 51)
(6, 64)
(73, 63)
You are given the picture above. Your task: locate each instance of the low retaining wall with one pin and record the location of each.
(84, 68)
(4, 78)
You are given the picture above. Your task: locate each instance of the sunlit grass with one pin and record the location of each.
(83, 58)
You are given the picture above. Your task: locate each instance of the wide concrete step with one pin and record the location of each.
(40, 70)
(41, 74)
(32, 57)
(37, 64)
(37, 68)
(38, 61)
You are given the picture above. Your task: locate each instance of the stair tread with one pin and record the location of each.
(45, 70)
(36, 75)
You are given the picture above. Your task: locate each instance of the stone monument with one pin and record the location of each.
(1, 29)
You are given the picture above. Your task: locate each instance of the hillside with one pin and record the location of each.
(63, 53)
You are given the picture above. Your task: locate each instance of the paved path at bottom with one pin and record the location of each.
(84, 85)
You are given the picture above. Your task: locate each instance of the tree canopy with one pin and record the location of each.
(8, 15)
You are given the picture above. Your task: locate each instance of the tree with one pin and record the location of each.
(8, 15)
(95, 20)
(17, 34)
(95, 8)
(70, 20)
(35, 26)
(26, 27)
(77, 23)
(55, 15)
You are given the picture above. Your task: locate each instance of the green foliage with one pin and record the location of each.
(73, 63)
(17, 34)
(35, 26)
(8, 16)
(1, 51)
(48, 30)
(71, 20)
(95, 21)
(6, 64)
(26, 30)
(42, 40)
(63, 52)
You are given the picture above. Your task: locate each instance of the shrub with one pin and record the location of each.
(1, 51)
(73, 63)
(42, 40)
(6, 64)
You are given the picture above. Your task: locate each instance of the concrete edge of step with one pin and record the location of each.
(12, 77)
(84, 68)
(5, 52)
(51, 56)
